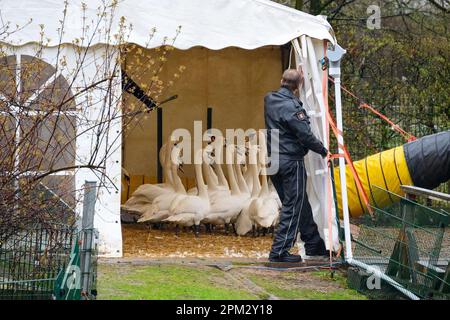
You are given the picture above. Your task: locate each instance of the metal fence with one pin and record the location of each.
(51, 261)
(78, 281)
(31, 259)
(366, 133)
(408, 242)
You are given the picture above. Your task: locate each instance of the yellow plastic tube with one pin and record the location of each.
(387, 170)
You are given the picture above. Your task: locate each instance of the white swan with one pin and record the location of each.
(145, 194)
(240, 159)
(190, 210)
(212, 181)
(217, 184)
(223, 183)
(264, 210)
(226, 209)
(218, 151)
(164, 200)
(214, 190)
(248, 174)
(243, 223)
(159, 211)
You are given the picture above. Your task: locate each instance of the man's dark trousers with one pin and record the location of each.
(296, 213)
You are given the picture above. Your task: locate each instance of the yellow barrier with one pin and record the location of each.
(387, 170)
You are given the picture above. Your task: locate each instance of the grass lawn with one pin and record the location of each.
(171, 281)
(166, 282)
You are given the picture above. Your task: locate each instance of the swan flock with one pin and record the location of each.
(242, 197)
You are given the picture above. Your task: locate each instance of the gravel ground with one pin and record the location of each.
(140, 241)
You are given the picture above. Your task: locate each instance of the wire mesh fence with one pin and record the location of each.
(40, 259)
(408, 242)
(31, 259)
(368, 134)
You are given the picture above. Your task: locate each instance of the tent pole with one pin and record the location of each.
(335, 57)
(348, 242)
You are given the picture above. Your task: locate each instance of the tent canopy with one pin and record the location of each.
(214, 24)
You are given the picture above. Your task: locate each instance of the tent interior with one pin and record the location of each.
(232, 82)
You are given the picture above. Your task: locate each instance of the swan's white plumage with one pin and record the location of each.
(264, 210)
(240, 199)
(244, 223)
(191, 209)
(145, 194)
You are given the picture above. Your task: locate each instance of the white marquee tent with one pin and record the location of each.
(213, 24)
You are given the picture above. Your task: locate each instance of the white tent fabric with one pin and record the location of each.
(307, 54)
(214, 24)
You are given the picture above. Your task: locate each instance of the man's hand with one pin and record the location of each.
(327, 155)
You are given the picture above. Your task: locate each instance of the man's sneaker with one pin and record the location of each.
(290, 258)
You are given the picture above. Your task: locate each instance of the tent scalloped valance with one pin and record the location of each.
(213, 24)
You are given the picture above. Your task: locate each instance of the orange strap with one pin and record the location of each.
(348, 159)
(335, 156)
(406, 135)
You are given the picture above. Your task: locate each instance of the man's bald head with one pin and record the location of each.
(291, 79)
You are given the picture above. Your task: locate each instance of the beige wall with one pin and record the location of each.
(232, 81)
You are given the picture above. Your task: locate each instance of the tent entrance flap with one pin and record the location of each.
(308, 52)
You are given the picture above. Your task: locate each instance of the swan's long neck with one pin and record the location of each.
(176, 181)
(264, 186)
(220, 175)
(234, 188)
(253, 167)
(248, 175)
(217, 166)
(210, 181)
(178, 185)
(167, 170)
(240, 178)
(201, 186)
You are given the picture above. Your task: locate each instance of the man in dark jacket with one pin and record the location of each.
(284, 112)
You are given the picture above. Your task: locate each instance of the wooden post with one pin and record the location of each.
(209, 118)
(159, 137)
